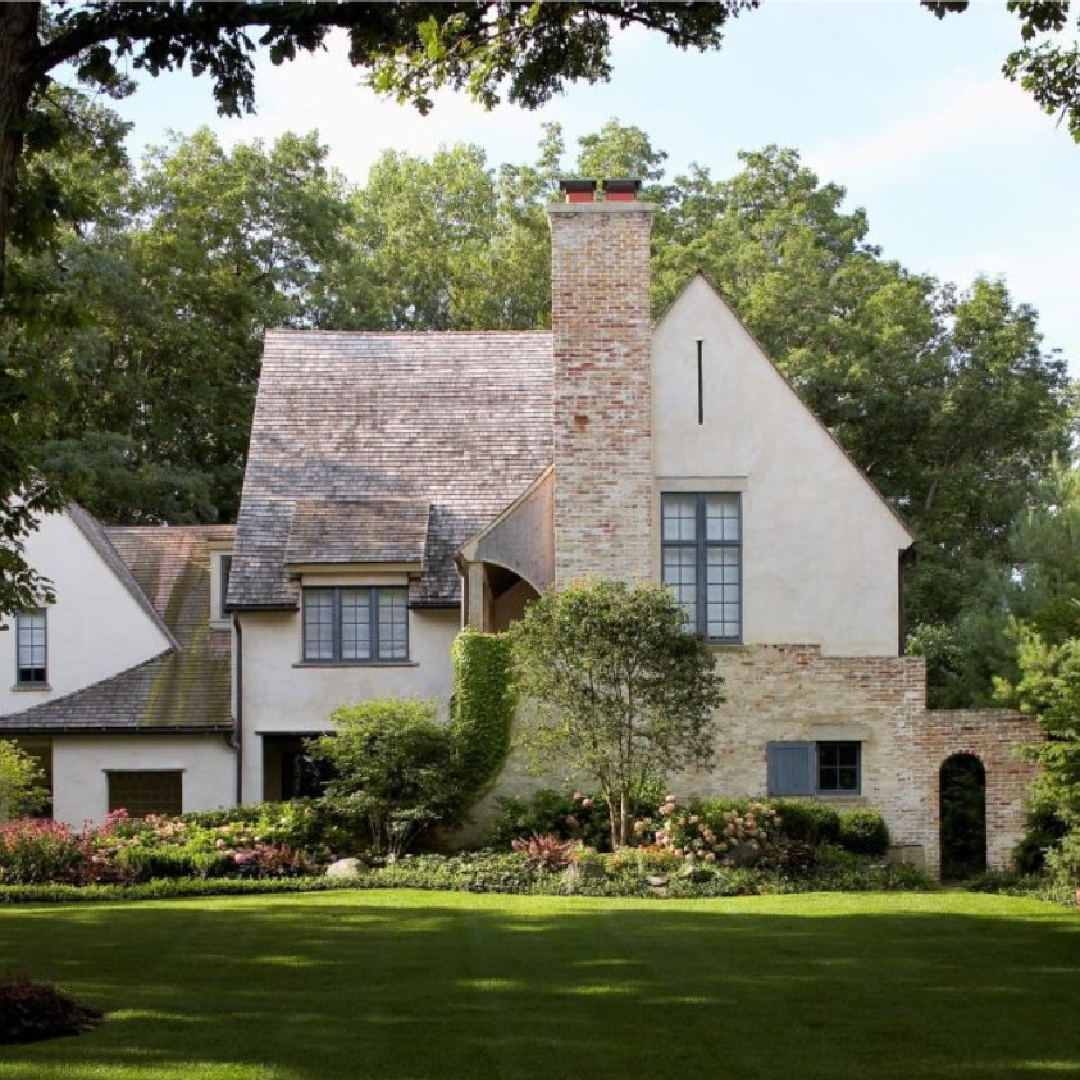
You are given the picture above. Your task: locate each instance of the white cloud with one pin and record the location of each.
(946, 122)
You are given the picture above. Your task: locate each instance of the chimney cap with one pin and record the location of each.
(578, 190)
(622, 186)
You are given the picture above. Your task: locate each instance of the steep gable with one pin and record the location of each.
(821, 544)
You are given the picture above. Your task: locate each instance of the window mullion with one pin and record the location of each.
(335, 624)
(373, 624)
(701, 533)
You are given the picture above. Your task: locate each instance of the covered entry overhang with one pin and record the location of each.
(509, 563)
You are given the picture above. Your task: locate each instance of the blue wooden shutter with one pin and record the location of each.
(791, 768)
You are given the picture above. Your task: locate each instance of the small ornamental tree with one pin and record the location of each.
(393, 768)
(22, 789)
(1049, 686)
(624, 693)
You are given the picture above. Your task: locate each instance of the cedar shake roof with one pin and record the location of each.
(185, 689)
(371, 531)
(350, 428)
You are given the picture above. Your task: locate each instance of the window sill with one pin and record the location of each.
(31, 688)
(356, 663)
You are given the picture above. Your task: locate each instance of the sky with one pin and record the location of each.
(959, 171)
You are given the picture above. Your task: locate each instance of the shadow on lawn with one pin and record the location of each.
(355, 987)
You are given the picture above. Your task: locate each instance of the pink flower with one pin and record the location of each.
(572, 821)
(586, 803)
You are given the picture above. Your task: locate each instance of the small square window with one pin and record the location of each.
(814, 768)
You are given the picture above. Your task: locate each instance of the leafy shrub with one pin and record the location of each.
(22, 783)
(545, 852)
(573, 816)
(146, 863)
(1063, 862)
(1038, 886)
(645, 860)
(393, 768)
(32, 1011)
(37, 851)
(864, 832)
(810, 822)
(1043, 831)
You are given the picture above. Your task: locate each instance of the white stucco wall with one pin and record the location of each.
(81, 764)
(283, 695)
(94, 630)
(820, 549)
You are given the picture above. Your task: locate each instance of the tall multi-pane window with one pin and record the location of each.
(30, 646)
(353, 625)
(702, 560)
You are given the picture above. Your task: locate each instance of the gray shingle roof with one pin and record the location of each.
(184, 689)
(460, 421)
(371, 531)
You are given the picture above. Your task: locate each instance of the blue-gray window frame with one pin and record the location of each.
(20, 623)
(224, 573)
(373, 623)
(814, 773)
(702, 544)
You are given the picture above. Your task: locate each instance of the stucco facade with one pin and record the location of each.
(89, 598)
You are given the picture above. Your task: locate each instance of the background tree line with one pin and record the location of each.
(142, 326)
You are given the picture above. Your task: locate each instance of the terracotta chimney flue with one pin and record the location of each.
(575, 191)
(621, 190)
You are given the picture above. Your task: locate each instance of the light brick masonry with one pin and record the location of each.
(602, 337)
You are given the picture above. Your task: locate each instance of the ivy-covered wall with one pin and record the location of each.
(483, 709)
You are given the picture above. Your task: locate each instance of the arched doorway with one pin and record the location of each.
(963, 817)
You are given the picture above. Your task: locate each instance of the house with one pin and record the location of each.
(122, 687)
(400, 485)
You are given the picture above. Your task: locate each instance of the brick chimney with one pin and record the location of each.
(602, 335)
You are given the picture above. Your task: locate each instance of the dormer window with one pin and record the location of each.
(356, 625)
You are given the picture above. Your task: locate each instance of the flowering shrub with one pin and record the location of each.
(545, 852)
(741, 839)
(125, 849)
(32, 852)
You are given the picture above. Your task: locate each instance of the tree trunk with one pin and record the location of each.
(18, 45)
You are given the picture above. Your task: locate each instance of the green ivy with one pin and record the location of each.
(483, 710)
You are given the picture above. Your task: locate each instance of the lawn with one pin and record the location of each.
(410, 985)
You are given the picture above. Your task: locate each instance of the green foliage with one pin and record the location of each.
(809, 822)
(167, 889)
(393, 769)
(1063, 862)
(1049, 687)
(579, 817)
(621, 689)
(482, 711)
(863, 831)
(22, 789)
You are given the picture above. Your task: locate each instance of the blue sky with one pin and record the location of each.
(959, 172)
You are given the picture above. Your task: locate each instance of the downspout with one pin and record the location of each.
(239, 731)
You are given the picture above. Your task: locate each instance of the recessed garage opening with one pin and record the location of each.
(963, 817)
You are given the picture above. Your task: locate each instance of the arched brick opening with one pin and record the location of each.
(992, 736)
(962, 816)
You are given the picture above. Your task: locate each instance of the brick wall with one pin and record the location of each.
(602, 334)
(793, 692)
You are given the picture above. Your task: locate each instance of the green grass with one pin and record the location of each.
(409, 986)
